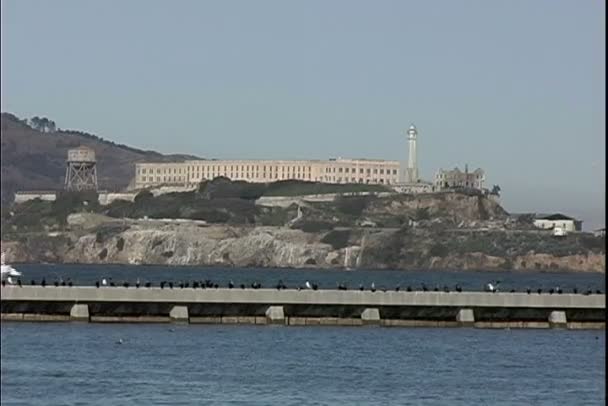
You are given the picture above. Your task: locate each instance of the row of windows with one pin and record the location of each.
(368, 171)
(249, 167)
(257, 168)
(182, 179)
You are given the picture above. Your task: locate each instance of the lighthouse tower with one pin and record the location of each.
(411, 172)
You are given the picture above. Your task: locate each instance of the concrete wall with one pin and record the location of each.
(21, 197)
(308, 297)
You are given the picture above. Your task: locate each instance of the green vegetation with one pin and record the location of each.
(337, 238)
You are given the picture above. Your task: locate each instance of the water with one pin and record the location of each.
(326, 279)
(81, 364)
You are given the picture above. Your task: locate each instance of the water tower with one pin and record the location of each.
(81, 171)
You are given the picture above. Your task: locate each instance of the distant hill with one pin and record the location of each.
(35, 160)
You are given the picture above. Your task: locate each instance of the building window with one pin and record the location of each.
(361, 170)
(381, 171)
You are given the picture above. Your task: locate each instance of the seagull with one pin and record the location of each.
(492, 288)
(308, 285)
(104, 282)
(120, 341)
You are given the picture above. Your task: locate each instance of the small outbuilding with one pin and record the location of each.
(558, 220)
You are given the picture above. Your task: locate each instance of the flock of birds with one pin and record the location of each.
(492, 287)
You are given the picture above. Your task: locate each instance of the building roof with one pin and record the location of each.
(555, 216)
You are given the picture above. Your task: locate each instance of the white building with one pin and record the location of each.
(340, 170)
(553, 221)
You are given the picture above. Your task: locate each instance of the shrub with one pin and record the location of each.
(337, 238)
(438, 250)
(313, 226)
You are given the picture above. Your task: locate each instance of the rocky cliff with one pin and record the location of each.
(148, 242)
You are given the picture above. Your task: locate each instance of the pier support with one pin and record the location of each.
(557, 319)
(179, 314)
(275, 315)
(79, 312)
(370, 316)
(466, 317)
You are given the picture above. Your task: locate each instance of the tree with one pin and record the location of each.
(35, 122)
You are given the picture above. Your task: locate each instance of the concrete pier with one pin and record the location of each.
(370, 316)
(466, 317)
(79, 312)
(292, 307)
(179, 314)
(558, 319)
(275, 315)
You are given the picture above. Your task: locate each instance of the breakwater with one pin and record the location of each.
(305, 307)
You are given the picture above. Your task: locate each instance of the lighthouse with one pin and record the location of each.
(411, 173)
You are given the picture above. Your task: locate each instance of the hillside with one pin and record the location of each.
(35, 160)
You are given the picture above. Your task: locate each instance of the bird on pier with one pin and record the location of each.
(170, 285)
(242, 286)
(33, 282)
(230, 284)
(409, 288)
(56, 283)
(18, 282)
(97, 284)
(308, 285)
(512, 290)
(598, 292)
(187, 285)
(558, 290)
(424, 288)
(528, 290)
(551, 291)
(539, 291)
(216, 286)
(104, 282)
(373, 287)
(315, 286)
(137, 283)
(575, 290)
(458, 288)
(62, 282)
(361, 288)
(446, 290)
(492, 288)
(125, 284)
(43, 283)
(398, 288)
(436, 288)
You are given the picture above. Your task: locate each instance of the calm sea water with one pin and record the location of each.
(82, 364)
(326, 279)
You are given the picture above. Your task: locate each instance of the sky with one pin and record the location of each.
(514, 87)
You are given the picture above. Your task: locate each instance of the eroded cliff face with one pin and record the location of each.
(191, 244)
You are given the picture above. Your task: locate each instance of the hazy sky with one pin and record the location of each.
(515, 87)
